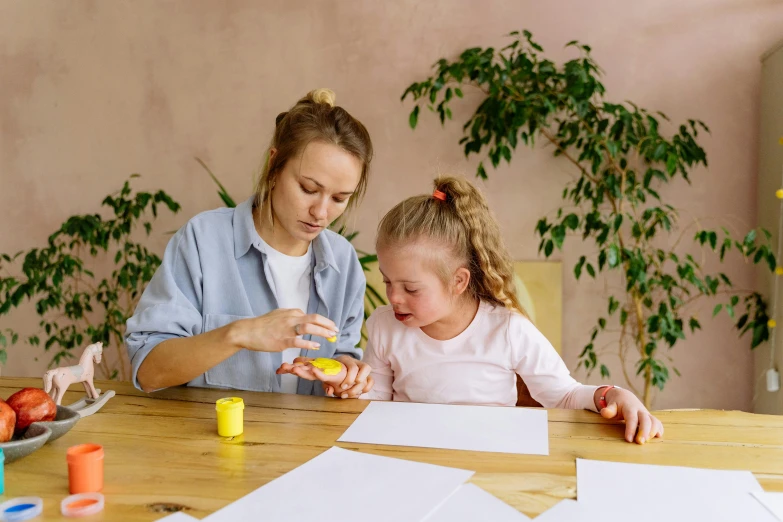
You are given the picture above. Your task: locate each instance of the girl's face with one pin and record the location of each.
(313, 190)
(413, 286)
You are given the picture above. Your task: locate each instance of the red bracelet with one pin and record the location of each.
(602, 398)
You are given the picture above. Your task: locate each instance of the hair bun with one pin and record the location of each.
(326, 96)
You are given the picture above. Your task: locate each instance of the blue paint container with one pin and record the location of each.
(22, 508)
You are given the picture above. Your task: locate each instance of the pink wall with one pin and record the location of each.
(93, 91)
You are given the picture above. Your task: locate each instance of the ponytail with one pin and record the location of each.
(457, 216)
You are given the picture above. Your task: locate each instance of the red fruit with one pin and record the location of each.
(32, 405)
(7, 421)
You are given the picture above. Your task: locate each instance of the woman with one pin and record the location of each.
(240, 291)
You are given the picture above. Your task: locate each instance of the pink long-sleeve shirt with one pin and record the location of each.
(476, 367)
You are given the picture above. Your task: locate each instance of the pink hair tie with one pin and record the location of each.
(439, 195)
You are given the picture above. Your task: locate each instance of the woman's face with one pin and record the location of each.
(313, 190)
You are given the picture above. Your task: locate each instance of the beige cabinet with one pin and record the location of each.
(770, 210)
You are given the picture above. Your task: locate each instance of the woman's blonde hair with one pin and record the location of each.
(314, 118)
(463, 224)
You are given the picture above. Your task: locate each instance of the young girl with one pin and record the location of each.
(454, 331)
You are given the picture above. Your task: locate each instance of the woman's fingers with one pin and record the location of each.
(298, 342)
(284, 368)
(319, 374)
(319, 320)
(320, 331)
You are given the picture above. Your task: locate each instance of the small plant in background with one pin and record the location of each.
(621, 160)
(76, 306)
(372, 298)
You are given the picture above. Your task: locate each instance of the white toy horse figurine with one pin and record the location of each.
(57, 381)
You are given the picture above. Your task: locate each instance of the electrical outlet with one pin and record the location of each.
(773, 380)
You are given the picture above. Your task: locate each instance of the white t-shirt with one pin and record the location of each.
(479, 366)
(291, 284)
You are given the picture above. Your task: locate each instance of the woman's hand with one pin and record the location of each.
(352, 380)
(624, 405)
(280, 329)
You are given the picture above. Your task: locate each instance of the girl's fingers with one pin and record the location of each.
(354, 391)
(350, 378)
(645, 425)
(610, 412)
(369, 385)
(364, 373)
(658, 429)
(631, 423)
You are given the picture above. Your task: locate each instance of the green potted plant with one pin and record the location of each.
(76, 306)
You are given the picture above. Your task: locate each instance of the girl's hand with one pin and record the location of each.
(624, 405)
(357, 380)
(280, 329)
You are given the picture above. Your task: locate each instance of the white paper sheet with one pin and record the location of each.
(470, 503)
(701, 507)
(341, 485)
(672, 493)
(179, 516)
(772, 501)
(475, 428)
(634, 480)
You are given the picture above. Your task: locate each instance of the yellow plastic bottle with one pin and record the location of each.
(230, 416)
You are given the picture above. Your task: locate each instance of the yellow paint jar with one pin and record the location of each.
(230, 419)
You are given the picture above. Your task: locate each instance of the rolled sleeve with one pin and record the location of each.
(171, 305)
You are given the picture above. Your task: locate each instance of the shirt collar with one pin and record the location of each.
(244, 228)
(245, 235)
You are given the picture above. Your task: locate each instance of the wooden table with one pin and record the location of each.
(163, 453)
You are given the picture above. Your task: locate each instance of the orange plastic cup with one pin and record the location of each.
(85, 468)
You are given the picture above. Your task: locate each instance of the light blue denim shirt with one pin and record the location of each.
(214, 272)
